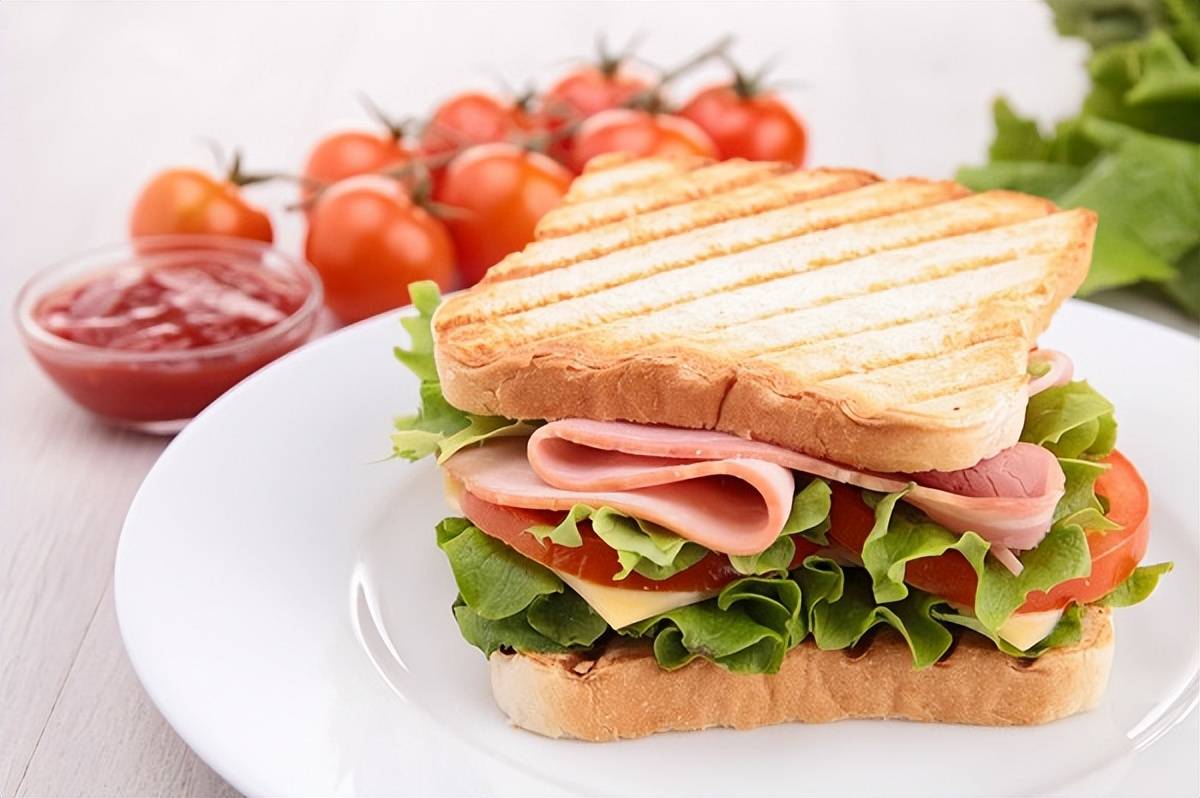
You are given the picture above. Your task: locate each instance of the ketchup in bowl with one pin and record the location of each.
(147, 334)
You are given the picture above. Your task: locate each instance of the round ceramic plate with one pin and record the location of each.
(284, 603)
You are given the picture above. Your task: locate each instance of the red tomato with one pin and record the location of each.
(350, 153)
(498, 193)
(473, 118)
(190, 201)
(640, 133)
(583, 93)
(757, 126)
(589, 90)
(1114, 554)
(368, 240)
(594, 561)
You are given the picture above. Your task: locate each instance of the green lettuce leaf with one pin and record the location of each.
(902, 534)
(513, 632)
(506, 600)
(809, 517)
(649, 549)
(1137, 587)
(643, 547)
(565, 618)
(494, 580)
(840, 609)
(1107, 22)
(567, 531)
(437, 427)
(747, 628)
(1079, 504)
(1071, 420)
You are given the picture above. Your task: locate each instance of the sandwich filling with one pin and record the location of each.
(711, 545)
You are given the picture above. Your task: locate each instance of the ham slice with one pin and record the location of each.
(731, 506)
(733, 495)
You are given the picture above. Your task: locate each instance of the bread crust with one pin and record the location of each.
(622, 693)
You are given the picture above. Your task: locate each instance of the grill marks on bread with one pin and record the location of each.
(909, 296)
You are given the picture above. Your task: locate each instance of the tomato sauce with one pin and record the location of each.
(157, 338)
(185, 305)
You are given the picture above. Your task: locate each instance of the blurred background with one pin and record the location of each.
(96, 99)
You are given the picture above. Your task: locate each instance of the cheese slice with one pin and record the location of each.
(1026, 629)
(622, 606)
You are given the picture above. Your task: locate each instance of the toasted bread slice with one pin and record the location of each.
(881, 323)
(621, 692)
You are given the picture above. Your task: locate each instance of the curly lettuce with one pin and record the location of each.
(438, 427)
(506, 601)
(642, 547)
(1073, 421)
(902, 534)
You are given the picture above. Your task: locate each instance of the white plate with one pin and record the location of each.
(270, 556)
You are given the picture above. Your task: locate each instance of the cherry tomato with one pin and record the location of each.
(583, 93)
(190, 201)
(473, 118)
(497, 193)
(640, 133)
(748, 124)
(350, 153)
(594, 561)
(369, 240)
(588, 90)
(1114, 554)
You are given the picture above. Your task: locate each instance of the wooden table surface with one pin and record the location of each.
(93, 98)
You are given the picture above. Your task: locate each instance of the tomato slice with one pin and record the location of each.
(1114, 554)
(594, 561)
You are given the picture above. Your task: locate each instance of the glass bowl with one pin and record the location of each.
(159, 391)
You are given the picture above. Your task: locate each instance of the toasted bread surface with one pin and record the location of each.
(621, 692)
(881, 323)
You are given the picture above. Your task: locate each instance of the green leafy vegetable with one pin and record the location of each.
(1079, 504)
(565, 618)
(649, 549)
(493, 579)
(437, 427)
(1071, 420)
(567, 531)
(513, 632)
(902, 534)
(1137, 587)
(748, 627)
(1132, 154)
(840, 609)
(506, 600)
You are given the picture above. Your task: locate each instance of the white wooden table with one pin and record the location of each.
(93, 98)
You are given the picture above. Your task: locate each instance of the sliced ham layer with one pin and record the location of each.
(733, 495)
(1008, 499)
(731, 506)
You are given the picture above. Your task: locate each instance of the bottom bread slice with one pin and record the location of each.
(620, 692)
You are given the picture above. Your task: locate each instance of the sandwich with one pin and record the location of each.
(732, 444)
